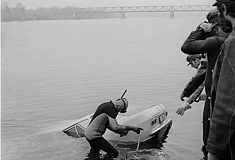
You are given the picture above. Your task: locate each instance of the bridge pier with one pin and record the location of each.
(172, 14)
(123, 15)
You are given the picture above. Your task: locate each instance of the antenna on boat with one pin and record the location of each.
(123, 93)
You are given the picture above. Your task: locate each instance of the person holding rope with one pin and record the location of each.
(105, 118)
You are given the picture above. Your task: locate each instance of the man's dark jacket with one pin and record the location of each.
(195, 44)
(222, 131)
(196, 81)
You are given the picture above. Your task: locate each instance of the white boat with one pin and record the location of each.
(154, 121)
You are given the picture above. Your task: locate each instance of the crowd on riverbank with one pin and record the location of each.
(214, 40)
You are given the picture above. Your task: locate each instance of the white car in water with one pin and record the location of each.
(154, 121)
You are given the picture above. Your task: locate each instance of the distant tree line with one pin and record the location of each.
(20, 13)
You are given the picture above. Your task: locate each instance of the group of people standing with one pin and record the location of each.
(215, 40)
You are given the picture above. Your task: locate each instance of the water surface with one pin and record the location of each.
(56, 71)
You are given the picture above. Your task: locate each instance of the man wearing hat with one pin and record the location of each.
(195, 86)
(207, 38)
(221, 139)
(103, 118)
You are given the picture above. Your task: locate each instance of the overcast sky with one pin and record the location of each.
(107, 3)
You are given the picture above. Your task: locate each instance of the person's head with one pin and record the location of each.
(226, 7)
(194, 60)
(213, 17)
(221, 27)
(217, 23)
(227, 13)
(121, 105)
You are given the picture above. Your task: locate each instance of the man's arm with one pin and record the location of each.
(120, 129)
(193, 84)
(115, 127)
(196, 94)
(191, 99)
(195, 44)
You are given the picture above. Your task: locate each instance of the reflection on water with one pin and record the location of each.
(56, 71)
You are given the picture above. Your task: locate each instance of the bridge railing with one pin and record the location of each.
(178, 8)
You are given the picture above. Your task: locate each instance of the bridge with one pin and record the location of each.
(170, 9)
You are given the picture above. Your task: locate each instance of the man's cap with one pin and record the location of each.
(219, 2)
(213, 16)
(191, 58)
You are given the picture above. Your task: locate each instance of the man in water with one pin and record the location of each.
(221, 139)
(207, 38)
(105, 117)
(196, 85)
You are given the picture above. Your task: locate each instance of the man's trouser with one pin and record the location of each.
(206, 124)
(100, 143)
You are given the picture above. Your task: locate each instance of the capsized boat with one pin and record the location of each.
(153, 120)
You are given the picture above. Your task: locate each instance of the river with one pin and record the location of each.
(56, 71)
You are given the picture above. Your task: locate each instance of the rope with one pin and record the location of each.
(138, 144)
(137, 148)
